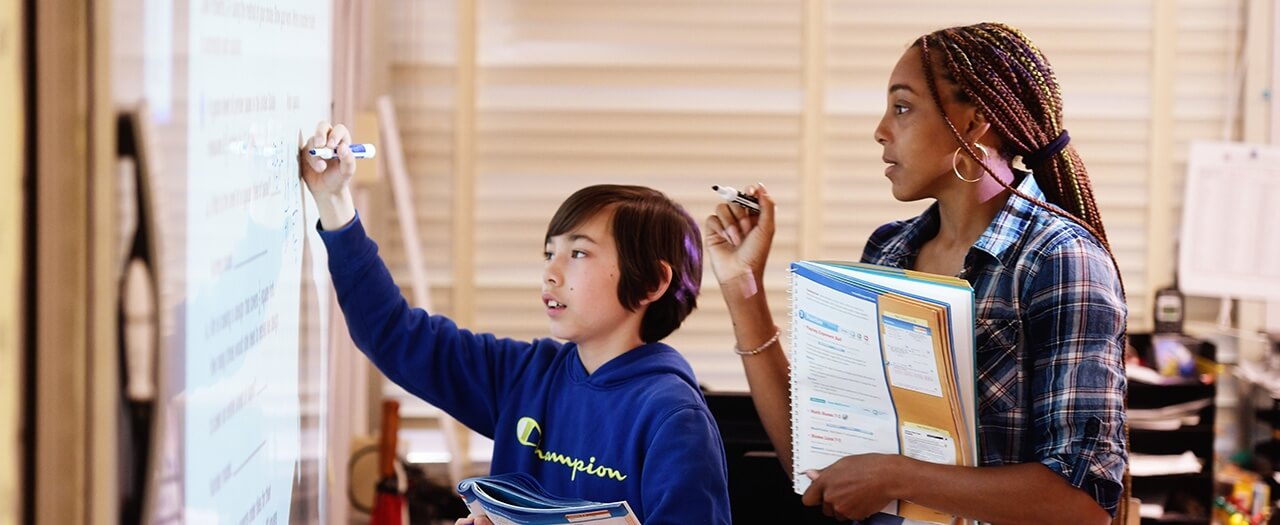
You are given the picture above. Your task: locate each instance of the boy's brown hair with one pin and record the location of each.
(648, 228)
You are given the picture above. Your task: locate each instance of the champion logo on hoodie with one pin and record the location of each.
(529, 434)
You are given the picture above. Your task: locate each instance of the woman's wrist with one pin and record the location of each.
(902, 480)
(752, 321)
(767, 344)
(742, 287)
(746, 298)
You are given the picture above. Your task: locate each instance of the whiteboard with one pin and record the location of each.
(1230, 241)
(233, 87)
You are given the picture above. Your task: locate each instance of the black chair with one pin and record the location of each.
(760, 489)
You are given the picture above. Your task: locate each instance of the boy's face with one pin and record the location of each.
(580, 288)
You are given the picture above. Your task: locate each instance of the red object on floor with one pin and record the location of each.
(388, 508)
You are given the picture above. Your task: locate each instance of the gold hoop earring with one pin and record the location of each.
(956, 170)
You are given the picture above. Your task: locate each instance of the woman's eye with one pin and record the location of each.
(546, 256)
(899, 109)
(578, 254)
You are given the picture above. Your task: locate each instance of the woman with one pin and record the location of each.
(970, 111)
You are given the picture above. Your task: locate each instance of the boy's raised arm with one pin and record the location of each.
(330, 180)
(460, 372)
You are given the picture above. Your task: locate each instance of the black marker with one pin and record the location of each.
(739, 198)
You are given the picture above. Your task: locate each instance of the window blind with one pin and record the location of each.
(683, 94)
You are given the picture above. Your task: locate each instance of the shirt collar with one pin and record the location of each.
(901, 249)
(1012, 222)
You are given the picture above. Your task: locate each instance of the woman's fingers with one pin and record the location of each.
(714, 230)
(729, 223)
(767, 205)
(813, 496)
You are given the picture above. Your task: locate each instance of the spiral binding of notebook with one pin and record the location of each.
(791, 377)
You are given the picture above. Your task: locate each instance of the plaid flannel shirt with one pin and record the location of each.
(1050, 340)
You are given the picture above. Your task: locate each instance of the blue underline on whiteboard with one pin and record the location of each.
(251, 456)
(251, 259)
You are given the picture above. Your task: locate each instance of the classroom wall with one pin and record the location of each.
(12, 75)
(681, 95)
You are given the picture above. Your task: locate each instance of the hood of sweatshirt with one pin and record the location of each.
(636, 364)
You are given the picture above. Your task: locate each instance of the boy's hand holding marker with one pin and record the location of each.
(328, 164)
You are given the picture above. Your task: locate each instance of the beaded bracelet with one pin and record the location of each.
(761, 348)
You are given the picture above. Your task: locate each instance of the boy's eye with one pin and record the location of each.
(578, 254)
(546, 255)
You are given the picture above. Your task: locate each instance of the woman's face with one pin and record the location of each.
(917, 142)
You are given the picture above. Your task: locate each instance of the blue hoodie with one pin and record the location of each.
(637, 429)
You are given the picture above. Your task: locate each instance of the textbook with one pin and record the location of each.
(518, 499)
(882, 361)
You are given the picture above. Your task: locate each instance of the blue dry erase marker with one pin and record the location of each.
(361, 151)
(739, 198)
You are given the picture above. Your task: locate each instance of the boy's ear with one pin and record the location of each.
(656, 292)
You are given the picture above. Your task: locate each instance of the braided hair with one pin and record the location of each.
(999, 70)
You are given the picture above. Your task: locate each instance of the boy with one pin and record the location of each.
(611, 415)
